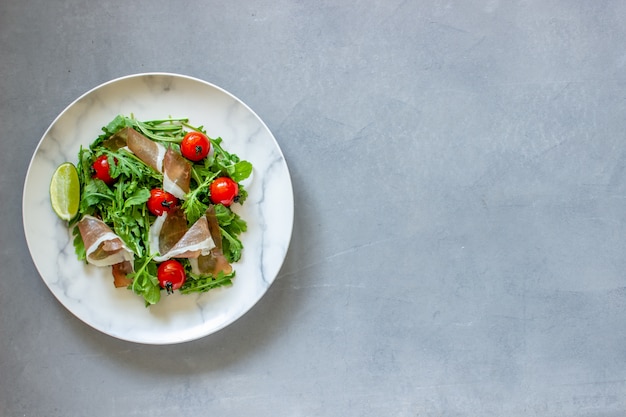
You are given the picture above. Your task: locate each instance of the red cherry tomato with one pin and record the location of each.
(161, 201)
(224, 191)
(103, 170)
(171, 275)
(195, 146)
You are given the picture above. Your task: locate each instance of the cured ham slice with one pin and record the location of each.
(214, 262)
(211, 264)
(194, 242)
(120, 274)
(150, 152)
(176, 174)
(167, 230)
(102, 246)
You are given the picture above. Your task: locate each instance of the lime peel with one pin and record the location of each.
(65, 191)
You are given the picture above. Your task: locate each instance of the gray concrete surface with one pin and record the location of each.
(459, 171)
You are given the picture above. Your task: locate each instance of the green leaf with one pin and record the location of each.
(94, 192)
(231, 225)
(194, 209)
(152, 294)
(197, 201)
(243, 195)
(145, 281)
(115, 125)
(139, 197)
(79, 245)
(242, 170)
(119, 122)
(203, 283)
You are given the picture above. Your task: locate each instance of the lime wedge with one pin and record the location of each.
(65, 191)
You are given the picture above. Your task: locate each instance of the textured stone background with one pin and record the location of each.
(459, 171)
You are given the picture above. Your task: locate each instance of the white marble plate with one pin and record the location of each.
(88, 291)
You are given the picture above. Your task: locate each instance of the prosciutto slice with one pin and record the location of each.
(150, 152)
(211, 264)
(103, 247)
(167, 230)
(176, 174)
(120, 274)
(192, 243)
(215, 261)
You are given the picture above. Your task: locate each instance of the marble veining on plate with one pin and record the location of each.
(88, 291)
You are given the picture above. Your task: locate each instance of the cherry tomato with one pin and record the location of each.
(161, 201)
(195, 146)
(103, 170)
(224, 191)
(171, 275)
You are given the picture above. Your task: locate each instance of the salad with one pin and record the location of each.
(155, 206)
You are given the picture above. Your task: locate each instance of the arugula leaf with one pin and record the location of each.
(79, 245)
(165, 130)
(197, 200)
(115, 125)
(231, 225)
(229, 164)
(203, 283)
(123, 162)
(241, 171)
(138, 197)
(145, 281)
(194, 208)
